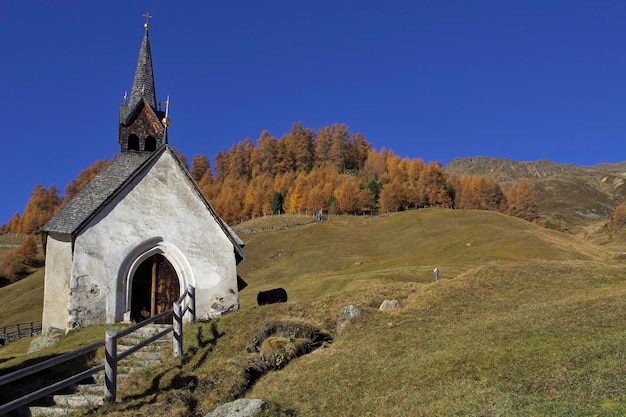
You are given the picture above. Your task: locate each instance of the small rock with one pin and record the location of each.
(243, 407)
(389, 305)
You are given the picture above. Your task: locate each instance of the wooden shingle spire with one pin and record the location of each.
(141, 126)
(143, 86)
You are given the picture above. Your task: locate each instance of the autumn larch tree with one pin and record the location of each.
(43, 204)
(522, 204)
(18, 262)
(200, 166)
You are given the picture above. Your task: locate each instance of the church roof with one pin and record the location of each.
(143, 85)
(99, 190)
(109, 182)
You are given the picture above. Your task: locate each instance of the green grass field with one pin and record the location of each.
(523, 321)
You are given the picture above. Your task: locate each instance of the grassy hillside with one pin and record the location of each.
(358, 251)
(524, 321)
(20, 302)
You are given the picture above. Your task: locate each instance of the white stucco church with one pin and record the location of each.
(132, 240)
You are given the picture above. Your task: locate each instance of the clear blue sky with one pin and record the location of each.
(436, 79)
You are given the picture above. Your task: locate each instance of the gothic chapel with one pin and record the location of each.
(128, 245)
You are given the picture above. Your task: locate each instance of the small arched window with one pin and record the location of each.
(133, 142)
(150, 144)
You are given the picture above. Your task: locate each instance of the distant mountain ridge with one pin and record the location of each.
(505, 169)
(570, 197)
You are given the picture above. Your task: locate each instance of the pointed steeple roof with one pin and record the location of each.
(143, 127)
(143, 86)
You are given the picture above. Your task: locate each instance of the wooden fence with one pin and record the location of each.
(111, 355)
(18, 331)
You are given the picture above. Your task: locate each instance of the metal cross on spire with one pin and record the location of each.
(148, 17)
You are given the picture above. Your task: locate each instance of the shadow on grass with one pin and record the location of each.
(205, 343)
(2, 360)
(44, 378)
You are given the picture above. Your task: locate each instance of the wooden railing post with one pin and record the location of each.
(192, 303)
(178, 330)
(110, 366)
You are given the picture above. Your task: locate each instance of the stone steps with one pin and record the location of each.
(92, 395)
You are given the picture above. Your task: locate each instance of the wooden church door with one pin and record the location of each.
(155, 288)
(165, 287)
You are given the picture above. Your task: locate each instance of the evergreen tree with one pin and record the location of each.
(277, 203)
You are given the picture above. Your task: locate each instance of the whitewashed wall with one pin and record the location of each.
(159, 213)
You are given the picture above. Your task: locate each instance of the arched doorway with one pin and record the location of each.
(155, 287)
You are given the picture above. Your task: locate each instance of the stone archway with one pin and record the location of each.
(155, 287)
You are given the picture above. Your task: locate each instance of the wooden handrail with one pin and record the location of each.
(13, 376)
(111, 356)
(42, 366)
(111, 337)
(10, 406)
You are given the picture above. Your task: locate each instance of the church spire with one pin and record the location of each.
(143, 86)
(142, 126)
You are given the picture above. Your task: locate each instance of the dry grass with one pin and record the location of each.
(22, 301)
(524, 321)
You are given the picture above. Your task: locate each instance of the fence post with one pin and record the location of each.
(110, 366)
(178, 330)
(32, 329)
(192, 303)
(19, 333)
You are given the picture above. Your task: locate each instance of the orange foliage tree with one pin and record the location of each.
(42, 205)
(619, 217)
(18, 262)
(521, 201)
(479, 193)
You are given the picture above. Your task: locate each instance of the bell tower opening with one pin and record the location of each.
(133, 142)
(155, 287)
(150, 144)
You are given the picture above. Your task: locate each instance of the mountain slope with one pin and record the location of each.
(523, 321)
(573, 198)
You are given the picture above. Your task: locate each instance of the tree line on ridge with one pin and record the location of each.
(332, 170)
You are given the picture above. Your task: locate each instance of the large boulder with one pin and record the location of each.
(243, 407)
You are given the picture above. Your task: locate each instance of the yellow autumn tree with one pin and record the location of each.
(521, 201)
(18, 262)
(619, 217)
(351, 198)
